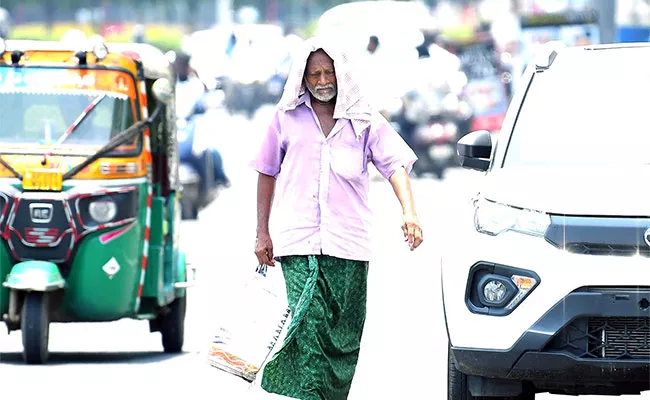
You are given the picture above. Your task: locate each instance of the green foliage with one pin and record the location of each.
(162, 36)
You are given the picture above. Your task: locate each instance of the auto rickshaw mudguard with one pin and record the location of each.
(37, 276)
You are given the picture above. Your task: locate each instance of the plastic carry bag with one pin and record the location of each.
(252, 326)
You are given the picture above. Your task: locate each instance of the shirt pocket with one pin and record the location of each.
(348, 161)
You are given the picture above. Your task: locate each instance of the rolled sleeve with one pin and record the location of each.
(268, 158)
(388, 150)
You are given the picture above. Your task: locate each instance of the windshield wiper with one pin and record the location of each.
(67, 134)
(80, 119)
(117, 141)
(11, 169)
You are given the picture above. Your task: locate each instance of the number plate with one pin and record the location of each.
(43, 179)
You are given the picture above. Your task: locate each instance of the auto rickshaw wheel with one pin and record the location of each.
(172, 326)
(35, 327)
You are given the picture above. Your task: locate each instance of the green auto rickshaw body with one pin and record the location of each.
(59, 262)
(105, 275)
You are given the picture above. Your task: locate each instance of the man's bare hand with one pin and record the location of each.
(264, 250)
(412, 231)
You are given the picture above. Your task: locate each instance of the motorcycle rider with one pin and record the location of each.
(189, 94)
(189, 88)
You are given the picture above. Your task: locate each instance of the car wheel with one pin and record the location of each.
(458, 389)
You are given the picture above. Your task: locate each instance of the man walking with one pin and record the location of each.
(312, 165)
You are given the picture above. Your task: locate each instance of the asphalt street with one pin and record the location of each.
(403, 352)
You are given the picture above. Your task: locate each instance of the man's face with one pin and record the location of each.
(320, 77)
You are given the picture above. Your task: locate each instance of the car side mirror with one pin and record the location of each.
(475, 150)
(163, 90)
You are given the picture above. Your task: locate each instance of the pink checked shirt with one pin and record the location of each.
(321, 194)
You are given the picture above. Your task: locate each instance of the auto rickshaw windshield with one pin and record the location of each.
(55, 118)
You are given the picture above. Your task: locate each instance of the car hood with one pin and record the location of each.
(593, 191)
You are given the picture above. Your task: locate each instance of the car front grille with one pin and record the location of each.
(605, 338)
(608, 250)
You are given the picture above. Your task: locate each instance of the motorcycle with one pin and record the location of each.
(433, 113)
(201, 167)
(430, 123)
(436, 147)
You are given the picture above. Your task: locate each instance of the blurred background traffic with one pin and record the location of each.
(437, 69)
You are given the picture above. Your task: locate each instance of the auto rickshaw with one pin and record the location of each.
(89, 190)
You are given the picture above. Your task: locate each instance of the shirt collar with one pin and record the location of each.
(305, 99)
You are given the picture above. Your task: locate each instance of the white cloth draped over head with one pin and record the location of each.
(350, 103)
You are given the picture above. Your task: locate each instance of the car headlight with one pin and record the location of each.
(102, 211)
(494, 218)
(497, 290)
(500, 291)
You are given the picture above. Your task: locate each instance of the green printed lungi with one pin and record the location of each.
(327, 298)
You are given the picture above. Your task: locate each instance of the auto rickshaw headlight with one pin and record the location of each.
(102, 211)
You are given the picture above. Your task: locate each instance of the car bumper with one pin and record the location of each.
(578, 293)
(559, 272)
(542, 354)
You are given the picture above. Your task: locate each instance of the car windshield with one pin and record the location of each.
(585, 113)
(61, 118)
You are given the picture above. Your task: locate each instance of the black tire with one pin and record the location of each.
(458, 389)
(35, 327)
(172, 326)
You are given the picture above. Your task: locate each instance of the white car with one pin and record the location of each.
(546, 276)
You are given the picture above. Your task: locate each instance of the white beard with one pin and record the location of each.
(322, 93)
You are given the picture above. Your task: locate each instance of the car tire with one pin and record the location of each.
(458, 389)
(172, 326)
